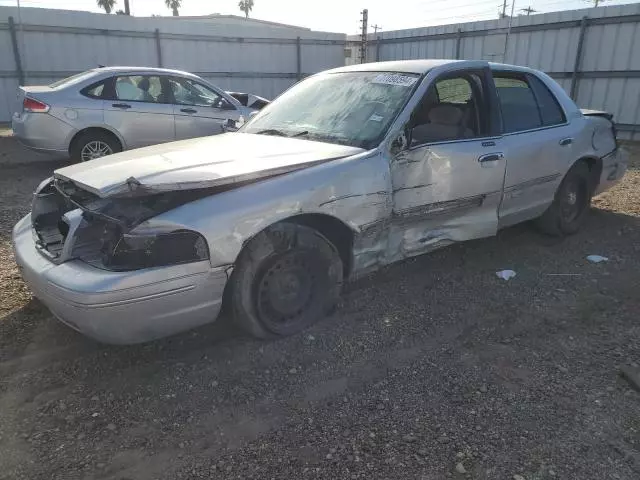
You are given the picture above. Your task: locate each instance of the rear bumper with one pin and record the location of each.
(41, 132)
(614, 167)
(120, 307)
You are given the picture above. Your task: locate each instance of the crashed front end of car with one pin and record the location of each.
(94, 264)
(71, 223)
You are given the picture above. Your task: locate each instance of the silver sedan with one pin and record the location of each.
(346, 172)
(110, 109)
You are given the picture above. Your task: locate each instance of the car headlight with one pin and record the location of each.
(136, 251)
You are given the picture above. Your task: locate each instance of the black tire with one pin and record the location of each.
(84, 141)
(286, 278)
(571, 203)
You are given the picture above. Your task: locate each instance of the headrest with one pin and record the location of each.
(144, 84)
(445, 115)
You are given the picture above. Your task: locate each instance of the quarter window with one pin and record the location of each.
(94, 91)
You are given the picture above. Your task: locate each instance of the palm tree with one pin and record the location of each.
(106, 4)
(173, 5)
(246, 6)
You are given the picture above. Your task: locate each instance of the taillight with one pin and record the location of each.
(32, 105)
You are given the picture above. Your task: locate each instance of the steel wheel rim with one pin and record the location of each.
(572, 202)
(95, 149)
(285, 291)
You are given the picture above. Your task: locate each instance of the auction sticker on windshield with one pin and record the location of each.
(395, 79)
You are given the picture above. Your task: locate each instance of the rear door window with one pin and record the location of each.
(518, 103)
(140, 88)
(550, 109)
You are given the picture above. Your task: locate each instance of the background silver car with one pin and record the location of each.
(110, 109)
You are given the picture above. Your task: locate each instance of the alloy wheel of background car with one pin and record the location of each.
(95, 149)
(287, 277)
(571, 203)
(92, 144)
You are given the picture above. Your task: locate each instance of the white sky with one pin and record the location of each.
(337, 15)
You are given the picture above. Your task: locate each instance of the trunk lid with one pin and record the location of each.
(199, 163)
(596, 113)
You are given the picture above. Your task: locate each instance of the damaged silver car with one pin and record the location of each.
(349, 170)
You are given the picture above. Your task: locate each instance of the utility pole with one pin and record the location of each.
(376, 27)
(504, 9)
(528, 10)
(127, 10)
(363, 36)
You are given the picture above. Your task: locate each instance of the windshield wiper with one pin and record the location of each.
(272, 131)
(280, 133)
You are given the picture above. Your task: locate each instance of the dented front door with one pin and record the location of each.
(444, 193)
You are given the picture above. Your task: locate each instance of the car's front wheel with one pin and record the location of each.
(94, 144)
(571, 203)
(286, 278)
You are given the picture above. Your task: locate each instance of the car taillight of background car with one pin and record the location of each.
(34, 106)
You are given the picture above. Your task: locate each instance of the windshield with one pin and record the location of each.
(350, 108)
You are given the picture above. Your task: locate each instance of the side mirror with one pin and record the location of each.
(225, 104)
(399, 143)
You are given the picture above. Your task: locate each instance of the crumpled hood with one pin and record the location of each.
(200, 163)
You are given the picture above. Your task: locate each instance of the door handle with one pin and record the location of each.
(188, 110)
(566, 141)
(124, 106)
(491, 157)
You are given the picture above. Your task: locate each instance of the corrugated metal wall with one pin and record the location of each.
(608, 73)
(260, 59)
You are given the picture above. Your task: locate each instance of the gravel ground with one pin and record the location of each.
(433, 368)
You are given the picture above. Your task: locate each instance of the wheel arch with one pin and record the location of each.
(594, 163)
(335, 230)
(96, 128)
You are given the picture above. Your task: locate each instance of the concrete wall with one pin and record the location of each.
(258, 58)
(607, 76)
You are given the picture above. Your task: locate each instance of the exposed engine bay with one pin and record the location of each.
(71, 223)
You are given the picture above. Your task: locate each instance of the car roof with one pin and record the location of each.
(120, 69)
(420, 67)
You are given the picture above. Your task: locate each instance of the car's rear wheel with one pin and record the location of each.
(571, 203)
(286, 278)
(94, 144)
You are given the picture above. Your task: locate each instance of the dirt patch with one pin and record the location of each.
(428, 364)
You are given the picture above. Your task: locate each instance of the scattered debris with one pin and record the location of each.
(631, 375)
(460, 468)
(506, 274)
(597, 259)
(518, 477)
